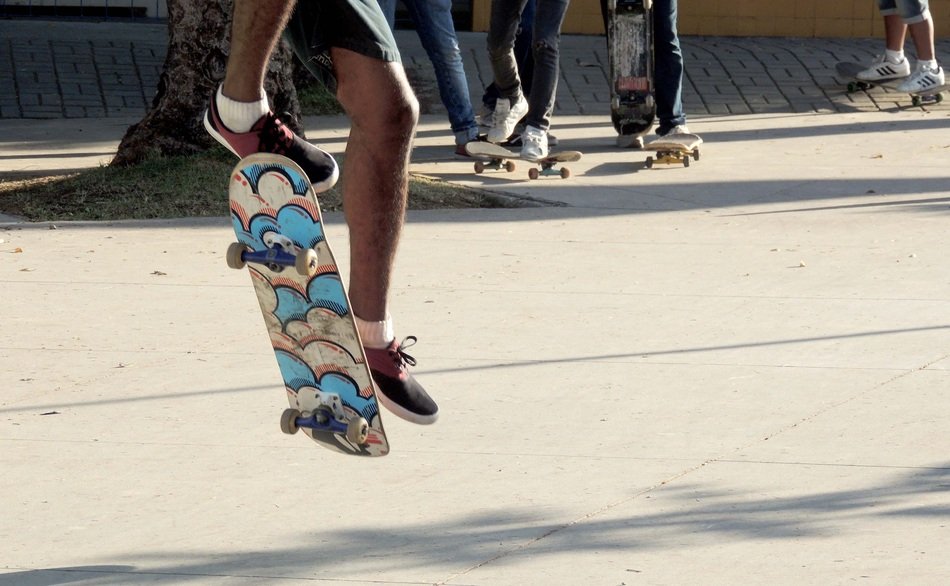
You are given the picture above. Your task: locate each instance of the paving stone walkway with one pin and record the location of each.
(75, 70)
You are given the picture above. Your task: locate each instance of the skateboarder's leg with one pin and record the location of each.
(239, 115)
(918, 20)
(383, 111)
(668, 68)
(545, 49)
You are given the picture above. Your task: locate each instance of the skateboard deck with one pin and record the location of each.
(630, 55)
(493, 156)
(280, 239)
(676, 148)
(849, 70)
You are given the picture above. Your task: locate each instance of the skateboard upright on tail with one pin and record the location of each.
(849, 71)
(630, 53)
(280, 239)
(674, 148)
(493, 156)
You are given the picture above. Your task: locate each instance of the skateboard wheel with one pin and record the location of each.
(510, 166)
(916, 100)
(696, 154)
(357, 430)
(234, 256)
(565, 172)
(532, 173)
(306, 263)
(288, 421)
(686, 160)
(938, 98)
(479, 167)
(649, 162)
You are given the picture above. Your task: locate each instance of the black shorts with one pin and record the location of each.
(356, 25)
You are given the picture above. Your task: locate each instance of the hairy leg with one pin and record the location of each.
(255, 28)
(895, 32)
(923, 34)
(383, 112)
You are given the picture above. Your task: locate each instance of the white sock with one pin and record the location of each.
(376, 334)
(240, 116)
(930, 65)
(894, 56)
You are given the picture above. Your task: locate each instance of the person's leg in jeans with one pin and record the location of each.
(523, 57)
(511, 104)
(436, 30)
(668, 67)
(548, 19)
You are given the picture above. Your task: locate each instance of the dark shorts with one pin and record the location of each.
(356, 25)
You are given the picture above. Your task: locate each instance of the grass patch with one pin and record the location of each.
(186, 186)
(317, 100)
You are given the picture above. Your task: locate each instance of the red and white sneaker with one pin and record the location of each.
(398, 390)
(270, 135)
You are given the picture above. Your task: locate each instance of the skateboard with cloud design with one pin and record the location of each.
(280, 239)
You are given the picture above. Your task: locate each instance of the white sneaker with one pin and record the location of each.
(534, 143)
(922, 80)
(629, 141)
(882, 69)
(504, 119)
(678, 129)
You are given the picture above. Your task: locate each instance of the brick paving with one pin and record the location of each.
(79, 70)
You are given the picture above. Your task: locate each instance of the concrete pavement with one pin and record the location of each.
(730, 373)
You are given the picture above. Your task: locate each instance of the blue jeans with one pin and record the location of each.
(433, 20)
(911, 11)
(502, 31)
(667, 64)
(523, 56)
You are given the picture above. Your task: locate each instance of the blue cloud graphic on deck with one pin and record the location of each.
(292, 221)
(324, 291)
(256, 171)
(297, 375)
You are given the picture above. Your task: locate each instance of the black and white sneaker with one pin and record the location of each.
(398, 390)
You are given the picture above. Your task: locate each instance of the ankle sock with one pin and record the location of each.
(376, 334)
(240, 116)
(894, 57)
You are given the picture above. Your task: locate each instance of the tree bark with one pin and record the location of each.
(199, 32)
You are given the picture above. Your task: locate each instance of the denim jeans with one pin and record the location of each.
(667, 64)
(502, 30)
(433, 20)
(523, 56)
(911, 11)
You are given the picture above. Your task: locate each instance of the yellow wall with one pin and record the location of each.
(791, 18)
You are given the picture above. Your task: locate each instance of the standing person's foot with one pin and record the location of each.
(925, 78)
(884, 68)
(270, 135)
(630, 141)
(505, 118)
(398, 390)
(534, 143)
(678, 129)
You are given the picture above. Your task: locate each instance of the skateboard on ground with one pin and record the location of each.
(493, 156)
(674, 148)
(280, 239)
(849, 70)
(630, 53)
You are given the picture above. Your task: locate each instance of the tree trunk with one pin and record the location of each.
(199, 32)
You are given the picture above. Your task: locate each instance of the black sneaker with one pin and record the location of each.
(270, 135)
(398, 390)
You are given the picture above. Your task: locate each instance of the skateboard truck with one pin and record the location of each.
(275, 258)
(494, 164)
(328, 417)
